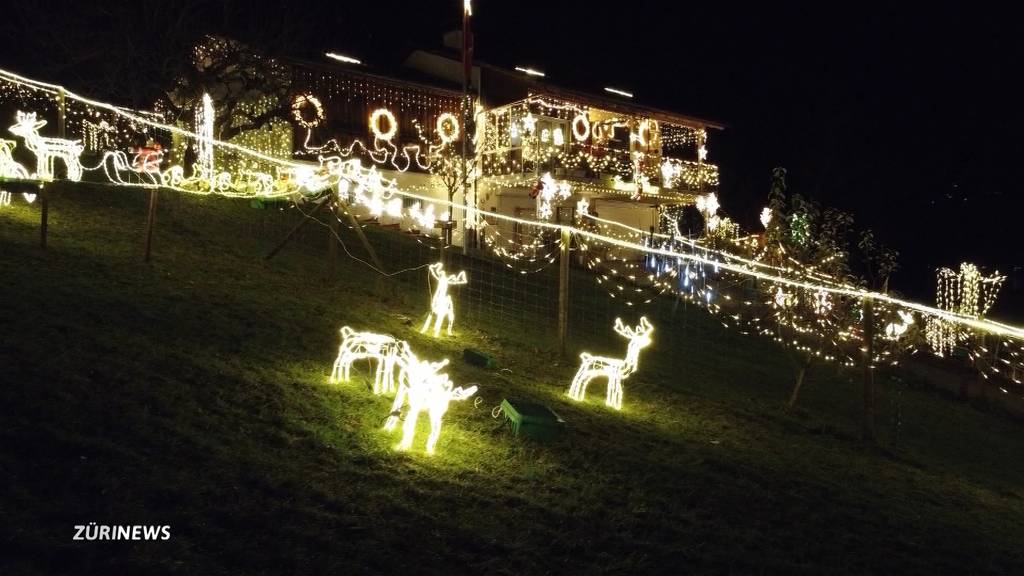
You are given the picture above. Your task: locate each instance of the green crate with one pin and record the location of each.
(532, 420)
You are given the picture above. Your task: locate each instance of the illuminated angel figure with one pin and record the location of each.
(441, 306)
(424, 390)
(387, 351)
(614, 369)
(48, 149)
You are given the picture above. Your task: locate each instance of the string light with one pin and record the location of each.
(293, 177)
(614, 369)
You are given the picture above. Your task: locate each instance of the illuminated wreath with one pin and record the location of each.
(647, 126)
(300, 103)
(392, 128)
(451, 133)
(581, 127)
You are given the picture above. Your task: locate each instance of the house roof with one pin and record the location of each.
(533, 85)
(397, 76)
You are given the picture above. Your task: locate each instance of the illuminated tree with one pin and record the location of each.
(165, 55)
(814, 244)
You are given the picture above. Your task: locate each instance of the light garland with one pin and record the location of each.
(441, 306)
(614, 369)
(295, 177)
(580, 127)
(301, 102)
(450, 133)
(381, 133)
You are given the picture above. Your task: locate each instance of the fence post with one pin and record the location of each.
(563, 290)
(44, 214)
(332, 239)
(61, 130)
(868, 421)
(150, 222)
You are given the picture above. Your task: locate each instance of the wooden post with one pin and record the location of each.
(563, 291)
(296, 229)
(150, 222)
(61, 130)
(332, 240)
(362, 238)
(44, 214)
(868, 422)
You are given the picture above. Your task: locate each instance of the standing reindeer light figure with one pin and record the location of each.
(387, 351)
(48, 149)
(424, 390)
(614, 369)
(441, 306)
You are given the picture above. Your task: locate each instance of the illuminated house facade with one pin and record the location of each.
(539, 149)
(628, 162)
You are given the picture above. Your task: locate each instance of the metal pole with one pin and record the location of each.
(150, 222)
(332, 239)
(44, 214)
(563, 291)
(868, 422)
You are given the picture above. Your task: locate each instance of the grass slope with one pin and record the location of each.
(193, 392)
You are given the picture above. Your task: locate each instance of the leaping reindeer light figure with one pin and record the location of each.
(441, 307)
(48, 149)
(387, 351)
(424, 390)
(614, 369)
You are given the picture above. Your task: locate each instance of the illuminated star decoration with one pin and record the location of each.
(529, 123)
(441, 306)
(766, 216)
(583, 207)
(614, 369)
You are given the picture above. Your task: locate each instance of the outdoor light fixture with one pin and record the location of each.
(617, 91)
(343, 58)
(530, 71)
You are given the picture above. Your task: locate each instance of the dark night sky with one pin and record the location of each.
(908, 117)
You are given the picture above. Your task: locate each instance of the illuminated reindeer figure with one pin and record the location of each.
(387, 351)
(8, 167)
(613, 369)
(441, 303)
(424, 390)
(48, 149)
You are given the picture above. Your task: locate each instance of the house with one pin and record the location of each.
(539, 148)
(631, 163)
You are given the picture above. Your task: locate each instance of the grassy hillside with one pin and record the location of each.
(192, 391)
